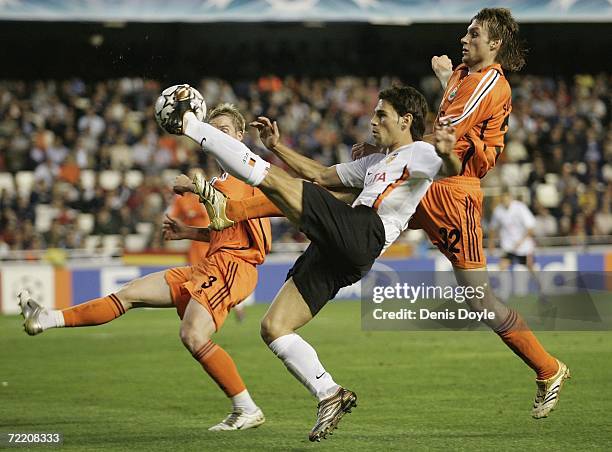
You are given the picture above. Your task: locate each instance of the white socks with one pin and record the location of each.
(234, 157)
(302, 361)
(243, 402)
(50, 318)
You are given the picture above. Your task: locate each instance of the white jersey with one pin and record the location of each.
(513, 224)
(393, 184)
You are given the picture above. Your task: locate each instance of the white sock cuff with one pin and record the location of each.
(194, 128)
(260, 169)
(281, 344)
(59, 319)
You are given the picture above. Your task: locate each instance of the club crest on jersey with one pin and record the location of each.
(453, 93)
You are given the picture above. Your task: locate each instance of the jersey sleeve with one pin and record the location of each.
(352, 174)
(174, 209)
(426, 163)
(473, 101)
(529, 220)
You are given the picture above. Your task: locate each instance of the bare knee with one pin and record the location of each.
(128, 296)
(272, 328)
(192, 337)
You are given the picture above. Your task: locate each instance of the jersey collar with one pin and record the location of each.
(496, 66)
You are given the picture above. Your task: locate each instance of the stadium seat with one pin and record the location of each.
(607, 172)
(547, 195)
(7, 183)
(511, 174)
(526, 169)
(552, 178)
(111, 243)
(88, 179)
(24, 181)
(135, 243)
(144, 228)
(180, 246)
(522, 193)
(134, 178)
(44, 216)
(85, 222)
(110, 179)
(92, 242)
(168, 176)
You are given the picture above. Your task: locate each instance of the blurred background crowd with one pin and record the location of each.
(85, 166)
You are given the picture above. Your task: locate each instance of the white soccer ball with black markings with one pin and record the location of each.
(166, 103)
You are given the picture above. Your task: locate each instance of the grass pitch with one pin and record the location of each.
(130, 385)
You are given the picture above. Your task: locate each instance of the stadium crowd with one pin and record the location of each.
(81, 160)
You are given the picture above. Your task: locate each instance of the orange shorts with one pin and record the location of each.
(218, 283)
(450, 214)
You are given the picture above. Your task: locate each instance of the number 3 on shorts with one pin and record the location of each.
(211, 280)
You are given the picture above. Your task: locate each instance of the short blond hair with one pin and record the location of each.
(232, 111)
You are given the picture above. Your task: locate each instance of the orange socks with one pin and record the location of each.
(258, 206)
(94, 312)
(517, 335)
(221, 368)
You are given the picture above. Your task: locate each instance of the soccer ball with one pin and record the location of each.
(165, 104)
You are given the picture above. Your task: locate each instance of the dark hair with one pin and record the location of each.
(501, 25)
(406, 99)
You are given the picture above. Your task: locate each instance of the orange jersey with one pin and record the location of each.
(478, 105)
(249, 240)
(190, 211)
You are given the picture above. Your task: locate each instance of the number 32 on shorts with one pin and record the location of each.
(450, 239)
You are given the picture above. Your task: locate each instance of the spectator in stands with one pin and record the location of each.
(560, 126)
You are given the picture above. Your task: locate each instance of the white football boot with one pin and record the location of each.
(239, 420)
(547, 395)
(31, 311)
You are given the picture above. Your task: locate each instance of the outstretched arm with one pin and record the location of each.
(173, 229)
(305, 167)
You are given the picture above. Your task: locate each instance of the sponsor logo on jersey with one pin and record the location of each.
(380, 177)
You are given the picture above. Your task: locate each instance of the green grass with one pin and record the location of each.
(130, 385)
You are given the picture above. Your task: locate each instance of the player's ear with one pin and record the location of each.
(239, 135)
(406, 121)
(495, 44)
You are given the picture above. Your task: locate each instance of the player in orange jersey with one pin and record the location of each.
(202, 294)
(188, 209)
(477, 102)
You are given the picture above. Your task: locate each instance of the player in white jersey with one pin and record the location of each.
(392, 183)
(514, 223)
(345, 240)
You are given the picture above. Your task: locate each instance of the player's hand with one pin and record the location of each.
(363, 149)
(173, 229)
(444, 137)
(443, 68)
(268, 131)
(183, 184)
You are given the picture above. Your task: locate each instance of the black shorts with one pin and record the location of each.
(515, 258)
(345, 242)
